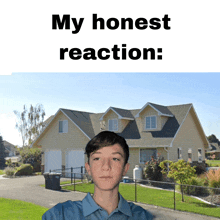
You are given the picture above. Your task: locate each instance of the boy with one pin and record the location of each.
(108, 155)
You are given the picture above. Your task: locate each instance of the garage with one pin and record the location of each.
(75, 159)
(53, 160)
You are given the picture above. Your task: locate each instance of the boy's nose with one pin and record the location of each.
(106, 165)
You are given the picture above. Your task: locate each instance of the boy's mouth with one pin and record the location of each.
(105, 177)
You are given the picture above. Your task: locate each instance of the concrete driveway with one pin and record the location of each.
(28, 189)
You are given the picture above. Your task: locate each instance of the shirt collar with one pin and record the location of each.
(90, 206)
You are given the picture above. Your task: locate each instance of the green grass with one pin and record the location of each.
(2, 172)
(157, 197)
(19, 210)
(213, 163)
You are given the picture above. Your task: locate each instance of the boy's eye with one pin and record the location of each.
(97, 158)
(116, 159)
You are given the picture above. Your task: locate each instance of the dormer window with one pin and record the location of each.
(113, 124)
(151, 122)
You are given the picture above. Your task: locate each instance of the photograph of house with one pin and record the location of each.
(172, 132)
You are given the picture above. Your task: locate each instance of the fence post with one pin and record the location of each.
(71, 175)
(174, 197)
(74, 183)
(135, 190)
(81, 173)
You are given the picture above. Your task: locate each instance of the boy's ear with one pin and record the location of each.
(87, 166)
(126, 168)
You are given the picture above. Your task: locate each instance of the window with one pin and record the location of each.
(63, 126)
(190, 155)
(151, 122)
(146, 154)
(179, 153)
(200, 155)
(112, 124)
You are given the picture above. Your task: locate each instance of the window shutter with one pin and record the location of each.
(60, 126)
(147, 122)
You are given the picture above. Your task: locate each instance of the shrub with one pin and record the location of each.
(152, 170)
(192, 189)
(9, 171)
(200, 169)
(24, 169)
(214, 179)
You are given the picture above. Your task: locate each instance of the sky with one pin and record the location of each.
(96, 92)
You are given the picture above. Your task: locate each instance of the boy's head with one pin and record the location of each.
(104, 139)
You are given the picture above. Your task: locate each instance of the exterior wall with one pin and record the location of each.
(187, 137)
(148, 111)
(122, 123)
(53, 140)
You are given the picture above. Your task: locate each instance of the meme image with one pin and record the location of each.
(109, 110)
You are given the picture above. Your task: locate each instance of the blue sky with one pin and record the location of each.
(95, 92)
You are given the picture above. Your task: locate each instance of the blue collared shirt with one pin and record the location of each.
(87, 209)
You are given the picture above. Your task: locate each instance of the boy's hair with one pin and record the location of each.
(104, 139)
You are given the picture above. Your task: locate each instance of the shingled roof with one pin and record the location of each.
(89, 124)
(82, 120)
(122, 113)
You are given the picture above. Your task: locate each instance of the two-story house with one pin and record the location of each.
(172, 132)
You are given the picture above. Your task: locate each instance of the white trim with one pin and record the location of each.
(180, 126)
(147, 129)
(209, 146)
(159, 113)
(119, 116)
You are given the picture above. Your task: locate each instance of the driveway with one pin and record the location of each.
(28, 189)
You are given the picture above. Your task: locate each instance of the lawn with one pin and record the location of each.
(2, 172)
(157, 197)
(213, 163)
(19, 210)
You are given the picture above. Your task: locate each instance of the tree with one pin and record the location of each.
(213, 139)
(31, 156)
(30, 122)
(2, 153)
(180, 171)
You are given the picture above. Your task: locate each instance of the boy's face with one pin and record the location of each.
(106, 166)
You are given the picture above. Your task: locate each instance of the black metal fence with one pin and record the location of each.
(165, 194)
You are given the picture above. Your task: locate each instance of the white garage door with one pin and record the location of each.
(75, 158)
(53, 160)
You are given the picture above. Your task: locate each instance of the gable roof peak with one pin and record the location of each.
(162, 110)
(122, 113)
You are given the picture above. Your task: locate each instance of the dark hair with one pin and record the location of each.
(104, 139)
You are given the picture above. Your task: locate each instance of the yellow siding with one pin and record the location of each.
(187, 137)
(53, 140)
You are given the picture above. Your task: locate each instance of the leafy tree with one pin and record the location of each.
(213, 139)
(180, 171)
(30, 122)
(2, 153)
